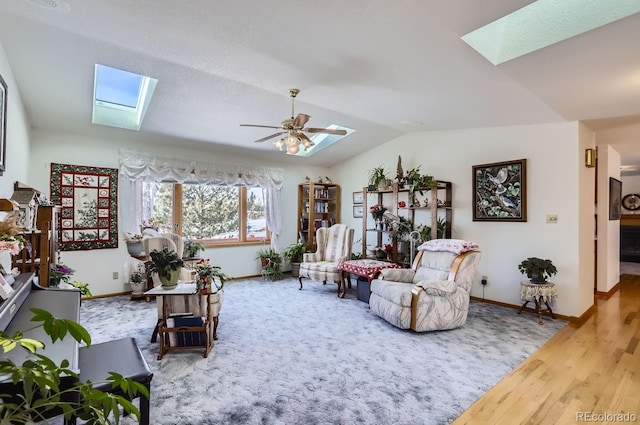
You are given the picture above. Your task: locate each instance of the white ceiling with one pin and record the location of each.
(363, 64)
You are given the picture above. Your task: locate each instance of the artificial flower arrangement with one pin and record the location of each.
(10, 240)
(377, 211)
(206, 273)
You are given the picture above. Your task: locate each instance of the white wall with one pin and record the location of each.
(18, 149)
(555, 169)
(630, 184)
(608, 230)
(97, 269)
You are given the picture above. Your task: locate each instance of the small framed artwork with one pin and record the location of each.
(499, 191)
(357, 197)
(3, 125)
(615, 199)
(358, 211)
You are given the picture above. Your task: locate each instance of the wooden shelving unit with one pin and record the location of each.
(439, 206)
(41, 245)
(318, 206)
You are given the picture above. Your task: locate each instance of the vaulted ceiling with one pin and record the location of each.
(376, 66)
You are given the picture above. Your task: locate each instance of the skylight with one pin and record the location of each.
(120, 98)
(324, 140)
(543, 23)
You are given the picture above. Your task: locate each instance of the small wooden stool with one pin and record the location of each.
(122, 356)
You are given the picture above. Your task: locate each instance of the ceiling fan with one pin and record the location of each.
(294, 130)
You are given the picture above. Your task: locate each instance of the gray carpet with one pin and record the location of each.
(629, 268)
(286, 356)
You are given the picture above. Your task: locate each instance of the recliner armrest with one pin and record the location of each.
(397, 275)
(441, 288)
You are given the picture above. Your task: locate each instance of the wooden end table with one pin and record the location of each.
(183, 288)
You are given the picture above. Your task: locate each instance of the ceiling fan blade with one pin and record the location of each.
(326, 131)
(261, 126)
(301, 120)
(268, 137)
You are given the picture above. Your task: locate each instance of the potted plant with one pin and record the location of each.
(166, 264)
(537, 269)
(59, 273)
(40, 393)
(207, 275)
(271, 263)
(134, 244)
(425, 231)
(192, 248)
(378, 179)
(136, 279)
(293, 254)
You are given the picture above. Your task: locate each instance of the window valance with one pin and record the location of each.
(142, 166)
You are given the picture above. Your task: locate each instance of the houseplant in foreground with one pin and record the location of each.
(38, 380)
(166, 264)
(537, 269)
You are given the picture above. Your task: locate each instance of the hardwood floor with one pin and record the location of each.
(585, 369)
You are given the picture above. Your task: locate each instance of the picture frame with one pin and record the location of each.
(358, 211)
(358, 197)
(3, 125)
(615, 199)
(500, 191)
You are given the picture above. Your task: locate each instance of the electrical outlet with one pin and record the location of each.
(116, 275)
(484, 280)
(552, 218)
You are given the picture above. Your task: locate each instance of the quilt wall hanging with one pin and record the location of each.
(88, 197)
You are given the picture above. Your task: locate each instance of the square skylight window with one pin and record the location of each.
(323, 141)
(120, 98)
(543, 23)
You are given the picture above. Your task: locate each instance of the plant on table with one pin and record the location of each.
(207, 274)
(167, 264)
(39, 380)
(537, 269)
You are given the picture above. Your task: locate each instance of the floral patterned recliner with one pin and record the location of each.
(434, 293)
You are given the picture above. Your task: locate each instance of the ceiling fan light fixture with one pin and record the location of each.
(293, 149)
(279, 144)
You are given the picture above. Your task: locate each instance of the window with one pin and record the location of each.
(208, 213)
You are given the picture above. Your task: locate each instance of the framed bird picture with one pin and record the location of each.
(499, 191)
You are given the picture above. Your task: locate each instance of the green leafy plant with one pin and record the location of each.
(192, 248)
(163, 262)
(204, 269)
(376, 175)
(271, 263)
(441, 229)
(39, 379)
(537, 269)
(83, 287)
(293, 253)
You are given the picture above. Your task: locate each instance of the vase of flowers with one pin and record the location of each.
(377, 212)
(209, 276)
(59, 273)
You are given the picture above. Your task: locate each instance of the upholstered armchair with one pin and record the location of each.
(333, 246)
(434, 293)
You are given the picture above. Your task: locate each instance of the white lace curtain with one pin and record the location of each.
(138, 167)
